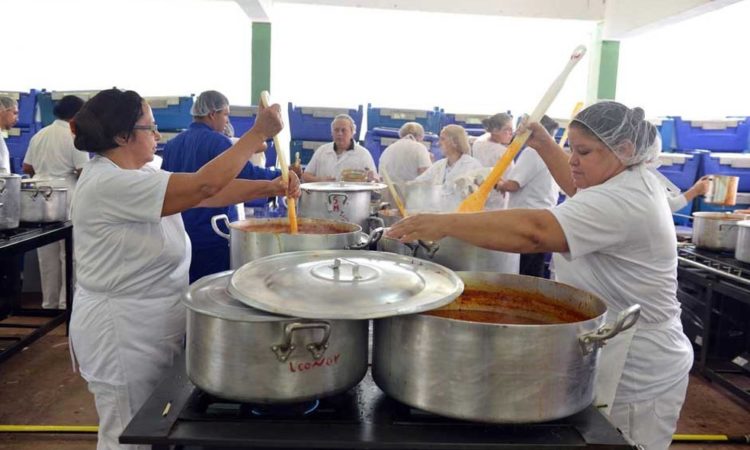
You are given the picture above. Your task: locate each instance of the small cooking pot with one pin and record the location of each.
(44, 204)
(342, 201)
(716, 231)
(742, 251)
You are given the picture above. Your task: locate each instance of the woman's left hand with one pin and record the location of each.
(293, 190)
(426, 227)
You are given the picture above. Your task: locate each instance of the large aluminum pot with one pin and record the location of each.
(459, 255)
(716, 231)
(742, 251)
(240, 353)
(10, 200)
(44, 204)
(255, 238)
(342, 201)
(498, 372)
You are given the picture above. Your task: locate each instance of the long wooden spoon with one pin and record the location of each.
(394, 193)
(475, 202)
(291, 207)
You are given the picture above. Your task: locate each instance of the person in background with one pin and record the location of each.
(128, 322)
(407, 158)
(8, 118)
(613, 237)
(491, 146)
(330, 160)
(679, 201)
(530, 185)
(454, 144)
(52, 154)
(190, 150)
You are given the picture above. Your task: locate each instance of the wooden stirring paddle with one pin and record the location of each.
(394, 193)
(291, 209)
(564, 137)
(475, 202)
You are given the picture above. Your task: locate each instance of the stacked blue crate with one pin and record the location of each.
(723, 135)
(394, 118)
(305, 149)
(313, 123)
(378, 139)
(472, 123)
(681, 168)
(242, 119)
(171, 113)
(22, 132)
(743, 202)
(46, 102)
(734, 164)
(665, 125)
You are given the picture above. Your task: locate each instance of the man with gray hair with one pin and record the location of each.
(8, 118)
(330, 160)
(188, 152)
(407, 158)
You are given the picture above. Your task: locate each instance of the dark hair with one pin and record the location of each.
(497, 121)
(67, 107)
(105, 116)
(549, 124)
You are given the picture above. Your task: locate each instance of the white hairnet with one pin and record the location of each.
(619, 126)
(7, 102)
(208, 102)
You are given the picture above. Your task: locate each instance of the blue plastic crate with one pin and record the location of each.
(18, 142)
(743, 202)
(728, 135)
(394, 118)
(313, 123)
(242, 118)
(378, 139)
(304, 148)
(46, 102)
(171, 113)
(26, 106)
(734, 164)
(468, 121)
(665, 125)
(680, 168)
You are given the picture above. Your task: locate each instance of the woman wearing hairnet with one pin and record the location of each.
(614, 237)
(132, 251)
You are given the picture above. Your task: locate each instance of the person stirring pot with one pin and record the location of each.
(132, 251)
(614, 237)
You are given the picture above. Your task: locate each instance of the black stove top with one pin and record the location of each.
(178, 413)
(722, 264)
(27, 229)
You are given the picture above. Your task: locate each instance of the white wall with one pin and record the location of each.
(697, 68)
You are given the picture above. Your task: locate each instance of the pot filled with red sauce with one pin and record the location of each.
(510, 349)
(251, 239)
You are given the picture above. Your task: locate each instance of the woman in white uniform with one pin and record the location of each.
(613, 237)
(132, 252)
(52, 154)
(490, 147)
(407, 158)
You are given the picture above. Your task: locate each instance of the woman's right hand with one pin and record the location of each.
(268, 122)
(539, 137)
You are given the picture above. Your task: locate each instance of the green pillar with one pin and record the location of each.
(608, 60)
(261, 60)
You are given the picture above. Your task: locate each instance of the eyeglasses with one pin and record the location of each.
(152, 128)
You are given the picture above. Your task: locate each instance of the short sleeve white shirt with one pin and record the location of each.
(538, 189)
(4, 156)
(52, 153)
(123, 246)
(623, 248)
(488, 152)
(325, 162)
(403, 158)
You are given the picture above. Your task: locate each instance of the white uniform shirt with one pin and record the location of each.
(52, 153)
(402, 159)
(676, 202)
(325, 162)
(4, 156)
(488, 152)
(623, 248)
(441, 173)
(538, 189)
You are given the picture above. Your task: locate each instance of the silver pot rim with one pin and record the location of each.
(239, 224)
(720, 216)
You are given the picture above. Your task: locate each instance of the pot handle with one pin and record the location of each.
(286, 347)
(364, 242)
(727, 225)
(430, 247)
(46, 191)
(375, 222)
(2, 185)
(215, 226)
(594, 340)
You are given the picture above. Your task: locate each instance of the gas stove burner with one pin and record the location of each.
(289, 410)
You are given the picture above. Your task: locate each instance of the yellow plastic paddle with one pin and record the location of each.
(394, 193)
(475, 202)
(576, 110)
(290, 202)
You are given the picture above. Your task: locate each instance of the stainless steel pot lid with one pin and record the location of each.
(209, 296)
(341, 186)
(344, 284)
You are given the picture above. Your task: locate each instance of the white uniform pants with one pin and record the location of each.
(52, 274)
(113, 407)
(651, 423)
